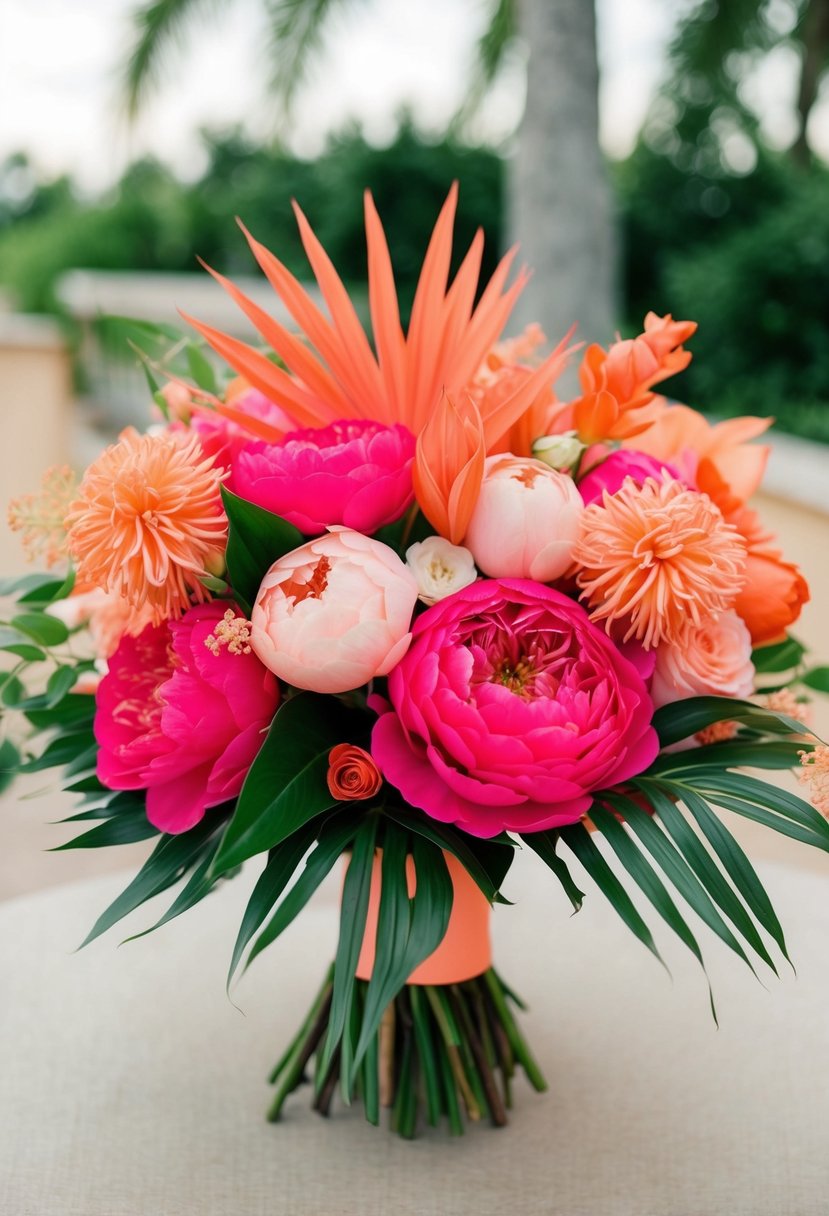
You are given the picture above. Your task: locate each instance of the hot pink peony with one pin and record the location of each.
(181, 713)
(610, 473)
(334, 613)
(356, 474)
(510, 708)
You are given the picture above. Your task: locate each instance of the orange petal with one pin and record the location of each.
(594, 416)
(385, 313)
(449, 466)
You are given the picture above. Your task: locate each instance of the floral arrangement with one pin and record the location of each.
(395, 601)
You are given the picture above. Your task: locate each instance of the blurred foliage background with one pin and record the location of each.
(713, 223)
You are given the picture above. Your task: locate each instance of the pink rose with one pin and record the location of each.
(610, 473)
(358, 474)
(526, 520)
(181, 720)
(334, 613)
(510, 709)
(711, 659)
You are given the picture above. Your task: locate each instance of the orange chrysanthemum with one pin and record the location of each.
(148, 520)
(656, 559)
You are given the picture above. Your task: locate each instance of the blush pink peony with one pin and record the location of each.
(711, 659)
(509, 709)
(354, 474)
(526, 520)
(182, 712)
(334, 613)
(609, 473)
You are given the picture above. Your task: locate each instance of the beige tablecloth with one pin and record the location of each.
(129, 1084)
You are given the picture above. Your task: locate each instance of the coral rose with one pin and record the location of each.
(711, 659)
(334, 613)
(775, 590)
(510, 709)
(357, 474)
(352, 774)
(526, 520)
(182, 716)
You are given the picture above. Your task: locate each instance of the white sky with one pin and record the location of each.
(59, 96)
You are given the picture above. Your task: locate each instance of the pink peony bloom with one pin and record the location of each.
(526, 520)
(610, 473)
(510, 709)
(182, 714)
(222, 438)
(711, 659)
(357, 474)
(334, 613)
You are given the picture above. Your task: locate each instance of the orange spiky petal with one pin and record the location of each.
(449, 466)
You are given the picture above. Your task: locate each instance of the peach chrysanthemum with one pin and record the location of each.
(147, 521)
(815, 772)
(40, 517)
(656, 559)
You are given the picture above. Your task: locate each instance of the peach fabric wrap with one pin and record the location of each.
(466, 950)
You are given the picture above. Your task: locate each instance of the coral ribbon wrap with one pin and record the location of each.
(465, 951)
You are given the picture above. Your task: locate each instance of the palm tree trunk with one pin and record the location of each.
(559, 195)
(815, 51)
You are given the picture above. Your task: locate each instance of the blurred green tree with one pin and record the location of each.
(559, 195)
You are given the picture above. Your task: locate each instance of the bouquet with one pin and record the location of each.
(394, 601)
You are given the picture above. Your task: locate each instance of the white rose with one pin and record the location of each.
(440, 568)
(559, 451)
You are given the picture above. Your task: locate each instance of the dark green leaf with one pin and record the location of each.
(643, 874)
(282, 864)
(782, 656)
(9, 763)
(16, 643)
(781, 801)
(169, 861)
(544, 844)
(286, 785)
(353, 913)
(61, 750)
(681, 719)
(256, 538)
(118, 829)
(817, 678)
(486, 861)
(73, 711)
(703, 865)
(49, 592)
(334, 839)
(764, 753)
(734, 861)
(408, 930)
(577, 838)
(198, 885)
(681, 875)
(26, 583)
(45, 629)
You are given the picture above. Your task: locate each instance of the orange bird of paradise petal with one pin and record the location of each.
(449, 466)
(335, 372)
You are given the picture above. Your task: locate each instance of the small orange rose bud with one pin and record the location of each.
(352, 774)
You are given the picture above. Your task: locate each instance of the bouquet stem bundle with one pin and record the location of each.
(448, 1050)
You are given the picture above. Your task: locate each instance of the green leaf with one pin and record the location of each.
(408, 930)
(734, 862)
(76, 709)
(169, 861)
(49, 592)
(61, 750)
(25, 584)
(577, 838)
(256, 539)
(772, 797)
(282, 864)
(486, 861)
(16, 643)
(817, 678)
(45, 629)
(681, 719)
(702, 864)
(782, 656)
(764, 753)
(675, 867)
(117, 829)
(9, 763)
(201, 369)
(544, 844)
(286, 785)
(198, 885)
(645, 877)
(334, 839)
(353, 913)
